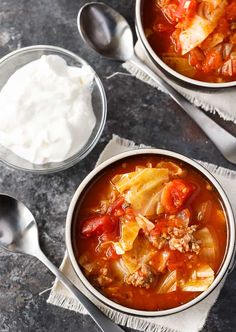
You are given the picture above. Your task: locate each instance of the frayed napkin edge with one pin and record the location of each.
(134, 71)
(133, 322)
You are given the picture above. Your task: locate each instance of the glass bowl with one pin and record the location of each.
(13, 61)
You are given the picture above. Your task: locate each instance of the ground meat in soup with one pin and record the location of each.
(150, 233)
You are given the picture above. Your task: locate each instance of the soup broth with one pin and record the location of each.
(195, 38)
(150, 233)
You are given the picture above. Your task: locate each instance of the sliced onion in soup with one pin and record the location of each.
(168, 283)
(208, 244)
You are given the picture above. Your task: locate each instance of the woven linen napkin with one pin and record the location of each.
(222, 101)
(191, 320)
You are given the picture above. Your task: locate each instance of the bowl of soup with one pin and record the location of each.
(192, 41)
(150, 232)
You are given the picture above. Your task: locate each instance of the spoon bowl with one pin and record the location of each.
(18, 228)
(19, 234)
(106, 31)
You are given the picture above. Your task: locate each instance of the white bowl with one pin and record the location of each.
(229, 254)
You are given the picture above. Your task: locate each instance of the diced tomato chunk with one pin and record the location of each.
(97, 225)
(160, 228)
(116, 204)
(175, 194)
(186, 9)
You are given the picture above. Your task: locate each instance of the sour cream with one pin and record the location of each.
(46, 112)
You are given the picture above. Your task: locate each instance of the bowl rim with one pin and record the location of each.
(229, 253)
(71, 161)
(157, 59)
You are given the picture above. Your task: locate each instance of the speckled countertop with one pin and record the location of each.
(135, 111)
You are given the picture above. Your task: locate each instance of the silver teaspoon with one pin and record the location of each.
(19, 234)
(110, 35)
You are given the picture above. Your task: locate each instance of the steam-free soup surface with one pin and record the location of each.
(196, 38)
(150, 233)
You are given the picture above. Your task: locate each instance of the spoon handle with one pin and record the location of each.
(223, 140)
(105, 323)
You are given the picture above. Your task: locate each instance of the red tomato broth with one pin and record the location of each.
(127, 294)
(216, 64)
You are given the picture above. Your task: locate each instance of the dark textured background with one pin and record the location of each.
(135, 111)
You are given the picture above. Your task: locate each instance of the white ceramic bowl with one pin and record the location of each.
(180, 79)
(228, 258)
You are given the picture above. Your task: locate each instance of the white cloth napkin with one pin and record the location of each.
(222, 101)
(191, 320)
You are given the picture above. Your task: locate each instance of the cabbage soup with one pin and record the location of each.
(196, 38)
(150, 232)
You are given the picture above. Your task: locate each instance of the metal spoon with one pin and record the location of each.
(110, 35)
(19, 234)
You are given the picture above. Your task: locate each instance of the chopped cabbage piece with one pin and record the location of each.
(140, 254)
(199, 281)
(160, 208)
(129, 232)
(205, 237)
(208, 244)
(118, 248)
(154, 205)
(201, 27)
(116, 245)
(174, 169)
(141, 188)
(144, 223)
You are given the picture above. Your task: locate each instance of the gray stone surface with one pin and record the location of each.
(135, 111)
